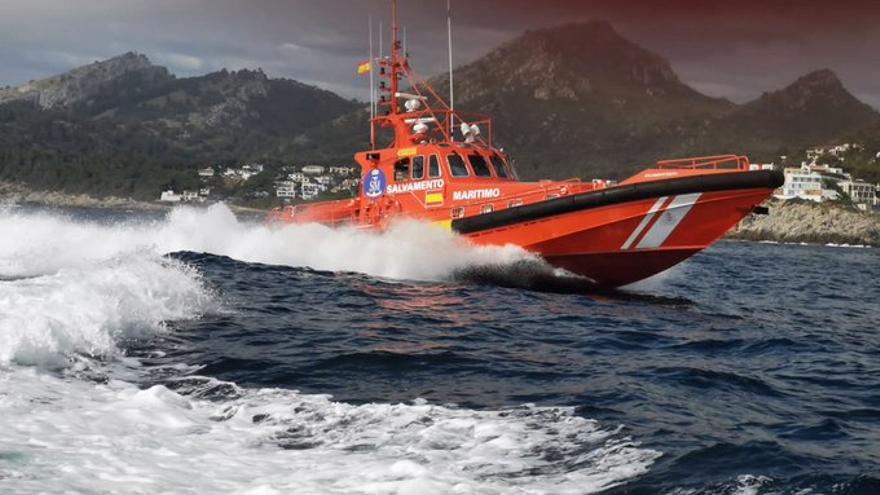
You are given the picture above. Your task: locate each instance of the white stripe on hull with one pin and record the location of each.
(644, 223)
(669, 219)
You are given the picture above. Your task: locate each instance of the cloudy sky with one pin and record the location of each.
(736, 49)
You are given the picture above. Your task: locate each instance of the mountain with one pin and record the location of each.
(580, 99)
(575, 100)
(236, 114)
(578, 64)
(814, 109)
(127, 127)
(79, 87)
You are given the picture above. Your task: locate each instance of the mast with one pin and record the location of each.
(451, 90)
(395, 58)
(372, 89)
(407, 121)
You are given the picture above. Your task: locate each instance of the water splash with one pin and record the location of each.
(48, 320)
(43, 243)
(280, 441)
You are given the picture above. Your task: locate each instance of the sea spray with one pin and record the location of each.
(39, 243)
(115, 437)
(48, 320)
(76, 290)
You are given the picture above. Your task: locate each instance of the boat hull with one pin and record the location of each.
(618, 244)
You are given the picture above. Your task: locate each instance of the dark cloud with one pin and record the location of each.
(733, 49)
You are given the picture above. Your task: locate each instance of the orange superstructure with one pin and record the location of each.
(441, 167)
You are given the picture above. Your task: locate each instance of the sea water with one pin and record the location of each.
(195, 352)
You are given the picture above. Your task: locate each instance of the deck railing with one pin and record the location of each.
(712, 162)
(440, 122)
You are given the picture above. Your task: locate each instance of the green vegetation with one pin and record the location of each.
(573, 101)
(143, 135)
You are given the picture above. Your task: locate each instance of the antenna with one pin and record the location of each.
(395, 58)
(372, 89)
(451, 90)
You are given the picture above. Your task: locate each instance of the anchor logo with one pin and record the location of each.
(374, 184)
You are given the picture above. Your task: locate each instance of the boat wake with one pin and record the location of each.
(43, 243)
(116, 437)
(76, 295)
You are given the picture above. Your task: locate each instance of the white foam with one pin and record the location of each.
(846, 245)
(71, 287)
(748, 484)
(47, 319)
(116, 438)
(43, 243)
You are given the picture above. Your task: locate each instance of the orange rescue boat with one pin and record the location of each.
(441, 167)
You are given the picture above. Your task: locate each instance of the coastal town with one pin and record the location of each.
(291, 183)
(820, 177)
(819, 181)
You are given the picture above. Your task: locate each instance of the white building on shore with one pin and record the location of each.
(310, 190)
(244, 173)
(341, 170)
(860, 192)
(254, 168)
(170, 196)
(803, 183)
(836, 151)
(822, 182)
(285, 189)
(835, 172)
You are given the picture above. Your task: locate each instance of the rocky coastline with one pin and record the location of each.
(811, 223)
(15, 194)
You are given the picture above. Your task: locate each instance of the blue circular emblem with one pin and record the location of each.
(374, 183)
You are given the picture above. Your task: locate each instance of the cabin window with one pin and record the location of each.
(457, 166)
(498, 165)
(487, 209)
(478, 163)
(457, 212)
(434, 167)
(511, 170)
(418, 167)
(401, 170)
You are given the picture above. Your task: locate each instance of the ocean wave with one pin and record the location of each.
(117, 437)
(749, 484)
(49, 320)
(70, 286)
(40, 243)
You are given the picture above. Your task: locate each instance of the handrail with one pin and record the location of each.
(713, 162)
(440, 123)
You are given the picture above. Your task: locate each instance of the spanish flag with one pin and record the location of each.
(434, 198)
(364, 67)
